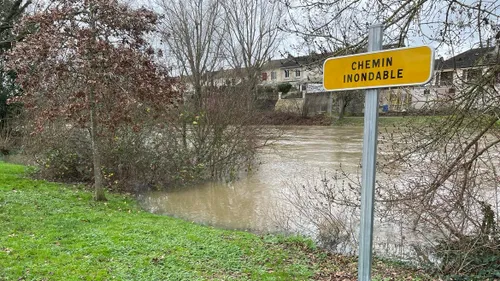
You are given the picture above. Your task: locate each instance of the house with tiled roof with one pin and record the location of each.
(451, 77)
(303, 72)
(297, 71)
(300, 71)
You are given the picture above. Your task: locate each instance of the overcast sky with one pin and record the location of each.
(464, 38)
(294, 45)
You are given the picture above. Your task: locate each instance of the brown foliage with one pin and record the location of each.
(86, 64)
(79, 47)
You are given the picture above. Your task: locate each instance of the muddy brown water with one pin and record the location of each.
(253, 202)
(259, 201)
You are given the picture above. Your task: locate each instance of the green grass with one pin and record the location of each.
(56, 232)
(53, 231)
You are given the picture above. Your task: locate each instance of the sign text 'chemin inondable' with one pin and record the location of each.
(389, 68)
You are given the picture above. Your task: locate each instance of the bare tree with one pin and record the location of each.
(334, 25)
(442, 174)
(193, 31)
(253, 35)
(346, 98)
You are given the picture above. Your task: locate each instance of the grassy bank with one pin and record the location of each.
(387, 121)
(52, 231)
(291, 119)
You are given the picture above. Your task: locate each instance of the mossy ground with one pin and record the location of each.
(52, 231)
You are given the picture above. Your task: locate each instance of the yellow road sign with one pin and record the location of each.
(381, 69)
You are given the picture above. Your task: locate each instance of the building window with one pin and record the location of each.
(297, 73)
(287, 73)
(264, 76)
(446, 78)
(273, 75)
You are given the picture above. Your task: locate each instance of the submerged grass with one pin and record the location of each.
(52, 231)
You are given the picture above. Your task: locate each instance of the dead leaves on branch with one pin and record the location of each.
(84, 49)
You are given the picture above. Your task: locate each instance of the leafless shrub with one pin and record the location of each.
(226, 133)
(61, 152)
(327, 209)
(5, 137)
(444, 181)
(437, 187)
(216, 142)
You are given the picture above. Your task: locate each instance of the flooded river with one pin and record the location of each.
(289, 170)
(253, 202)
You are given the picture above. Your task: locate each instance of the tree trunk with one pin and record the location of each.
(305, 107)
(96, 156)
(329, 107)
(184, 134)
(198, 96)
(342, 105)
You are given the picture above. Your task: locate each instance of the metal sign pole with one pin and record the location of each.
(369, 166)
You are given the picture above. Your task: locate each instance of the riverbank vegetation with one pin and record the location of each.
(54, 231)
(114, 116)
(437, 188)
(215, 142)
